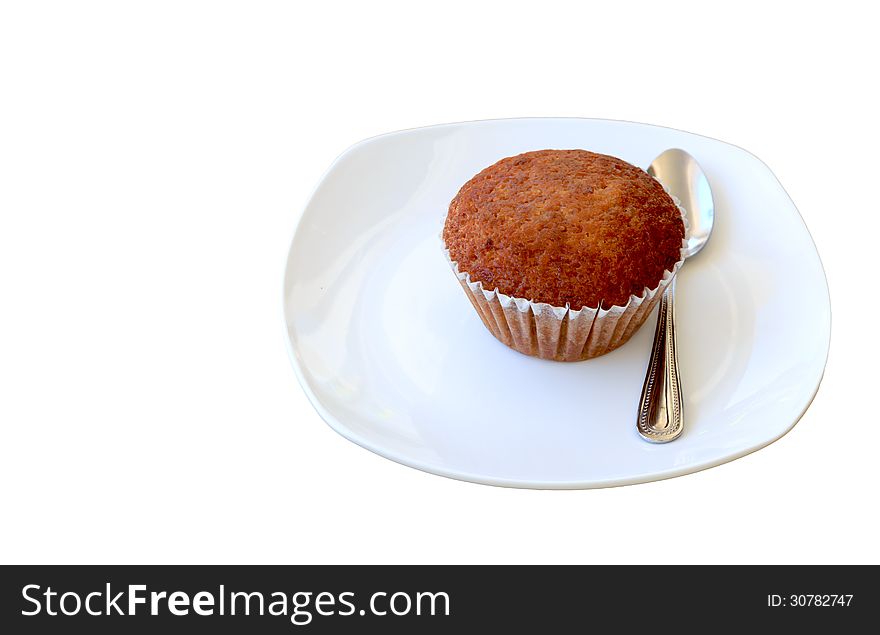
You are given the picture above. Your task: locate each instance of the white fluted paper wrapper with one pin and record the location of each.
(562, 333)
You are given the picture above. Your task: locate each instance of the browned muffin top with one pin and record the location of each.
(564, 227)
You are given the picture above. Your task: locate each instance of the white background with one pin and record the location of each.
(154, 158)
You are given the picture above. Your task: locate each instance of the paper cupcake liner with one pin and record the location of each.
(562, 333)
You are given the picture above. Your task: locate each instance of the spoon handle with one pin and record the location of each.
(661, 416)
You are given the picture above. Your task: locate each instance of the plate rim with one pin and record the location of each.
(469, 477)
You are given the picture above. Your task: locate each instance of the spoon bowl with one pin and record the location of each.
(682, 175)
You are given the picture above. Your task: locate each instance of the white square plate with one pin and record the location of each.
(394, 358)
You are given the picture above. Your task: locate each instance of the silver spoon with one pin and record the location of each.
(661, 414)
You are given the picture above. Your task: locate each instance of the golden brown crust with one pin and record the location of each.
(564, 227)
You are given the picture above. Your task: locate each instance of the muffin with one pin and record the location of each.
(563, 253)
